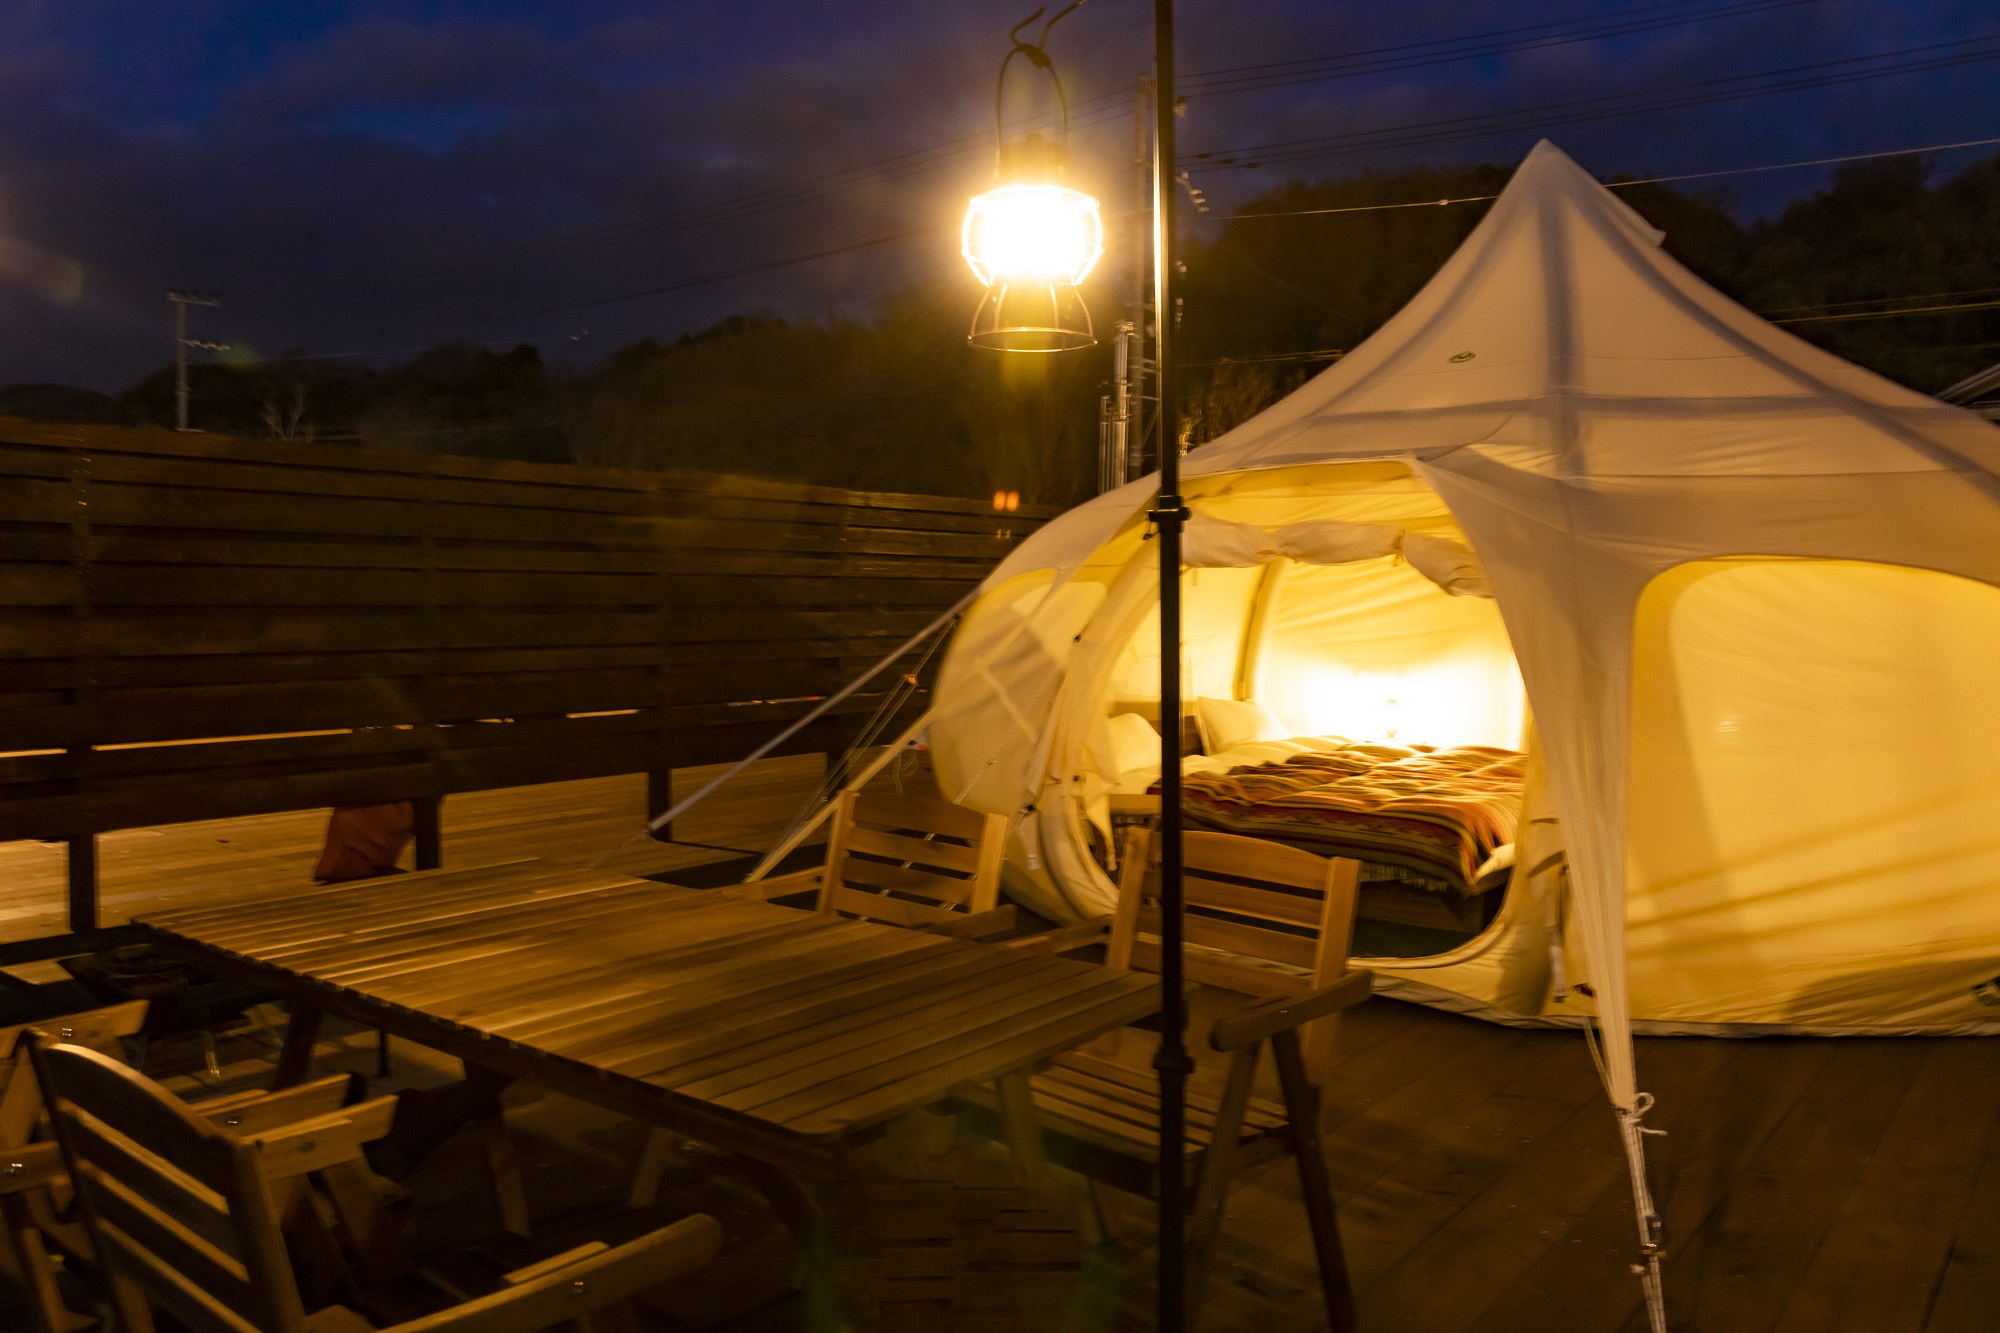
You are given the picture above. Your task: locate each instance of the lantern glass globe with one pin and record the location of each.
(1019, 234)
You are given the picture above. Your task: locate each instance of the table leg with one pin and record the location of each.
(371, 1228)
(1023, 1131)
(505, 1165)
(295, 1056)
(653, 1162)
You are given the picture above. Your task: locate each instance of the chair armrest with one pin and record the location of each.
(976, 925)
(559, 1293)
(323, 1141)
(1289, 1011)
(1066, 939)
(249, 1114)
(521, 1277)
(30, 1166)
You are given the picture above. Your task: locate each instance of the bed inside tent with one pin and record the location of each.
(1350, 692)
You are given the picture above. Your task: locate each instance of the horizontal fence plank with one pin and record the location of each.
(195, 626)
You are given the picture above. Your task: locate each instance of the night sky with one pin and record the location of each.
(373, 178)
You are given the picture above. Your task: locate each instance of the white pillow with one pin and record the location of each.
(1134, 743)
(1227, 723)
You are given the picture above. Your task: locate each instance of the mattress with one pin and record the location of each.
(1435, 814)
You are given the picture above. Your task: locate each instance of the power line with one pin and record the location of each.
(1617, 185)
(1272, 358)
(1797, 78)
(1111, 105)
(1876, 300)
(1890, 314)
(1319, 69)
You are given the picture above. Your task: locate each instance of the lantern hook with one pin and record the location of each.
(1038, 56)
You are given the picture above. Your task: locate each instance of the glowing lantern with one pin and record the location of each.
(1031, 238)
(1021, 234)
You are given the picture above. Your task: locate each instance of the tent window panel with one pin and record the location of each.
(1215, 613)
(1375, 651)
(1814, 813)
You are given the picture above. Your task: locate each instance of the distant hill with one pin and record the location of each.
(56, 402)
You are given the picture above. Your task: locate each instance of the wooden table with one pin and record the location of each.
(780, 1035)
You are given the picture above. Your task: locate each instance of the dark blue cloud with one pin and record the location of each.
(376, 176)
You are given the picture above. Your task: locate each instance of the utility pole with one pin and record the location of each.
(1121, 426)
(182, 300)
(1117, 412)
(1134, 333)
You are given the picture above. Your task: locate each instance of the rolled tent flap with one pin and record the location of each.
(1217, 543)
(1449, 564)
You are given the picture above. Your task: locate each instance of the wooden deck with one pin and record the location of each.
(187, 864)
(1808, 1185)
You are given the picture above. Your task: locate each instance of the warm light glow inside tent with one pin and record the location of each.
(1375, 651)
(1815, 779)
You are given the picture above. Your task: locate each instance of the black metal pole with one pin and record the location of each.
(1172, 1059)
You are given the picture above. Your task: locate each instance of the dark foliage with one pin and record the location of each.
(899, 402)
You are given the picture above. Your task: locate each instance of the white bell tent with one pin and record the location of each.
(1738, 594)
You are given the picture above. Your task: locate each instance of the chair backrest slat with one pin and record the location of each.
(1262, 919)
(148, 1237)
(1218, 970)
(178, 1205)
(1236, 937)
(930, 813)
(1300, 907)
(153, 1178)
(894, 911)
(109, 1095)
(901, 847)
(907, 880)
(911, 860)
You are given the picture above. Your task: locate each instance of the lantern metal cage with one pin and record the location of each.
(1032, 238)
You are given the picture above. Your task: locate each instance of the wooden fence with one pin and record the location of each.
(196, 627)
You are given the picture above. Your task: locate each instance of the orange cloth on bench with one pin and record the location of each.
(363, 841)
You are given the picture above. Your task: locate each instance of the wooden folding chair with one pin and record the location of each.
(31, 1173)
(183, 1216)
(909, 861)
(1264, 921)
(36, 1199)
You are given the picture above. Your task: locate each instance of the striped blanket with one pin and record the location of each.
(1437, 813)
